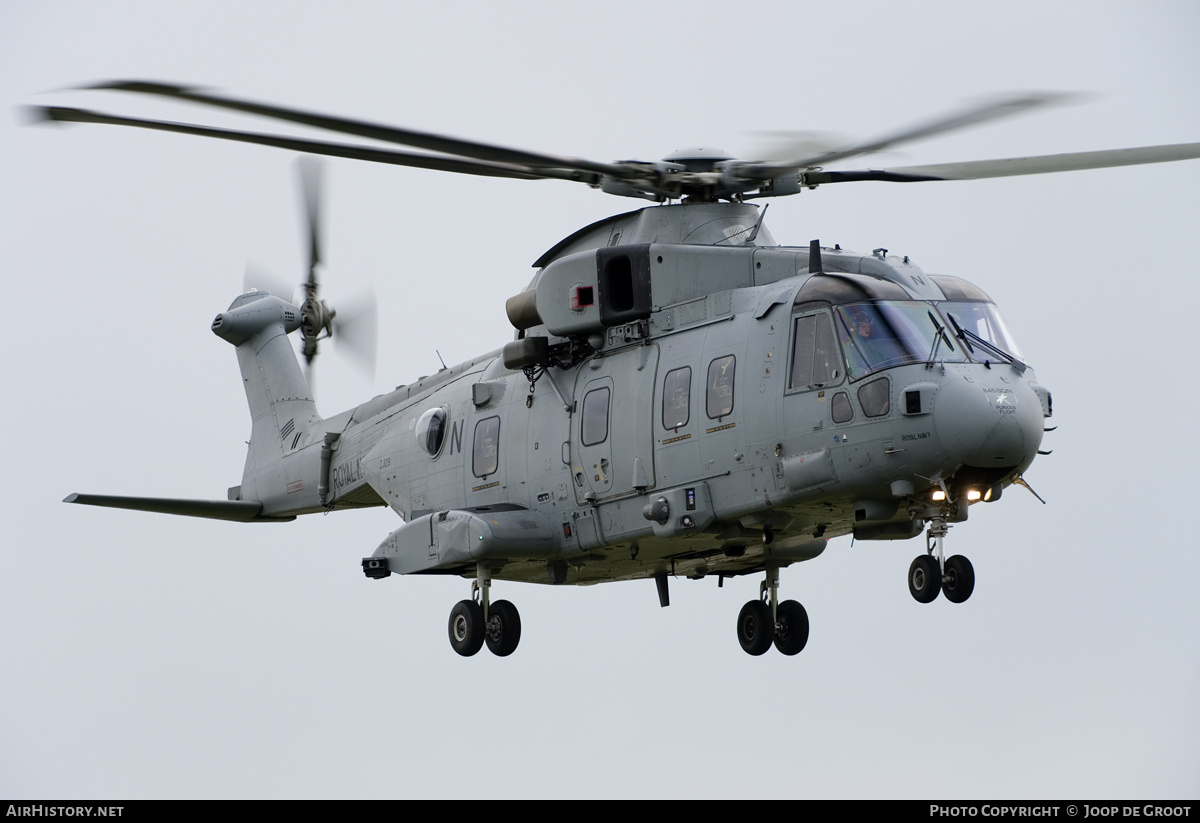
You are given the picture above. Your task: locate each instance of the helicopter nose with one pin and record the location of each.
(989, 423)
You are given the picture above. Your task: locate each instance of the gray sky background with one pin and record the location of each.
(149, 656)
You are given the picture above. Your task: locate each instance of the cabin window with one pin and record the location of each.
(677, 398)
(485, 456)
(815, 358)
(431, 431)
(875, 397)
(719, 397)
(840, 408)
(594, 425)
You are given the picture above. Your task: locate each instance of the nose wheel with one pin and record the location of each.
(766, 622)
(476, 622)
(932, 572)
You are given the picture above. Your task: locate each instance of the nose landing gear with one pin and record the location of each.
(932, 572)
(766, 621)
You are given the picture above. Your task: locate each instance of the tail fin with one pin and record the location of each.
(284, 416)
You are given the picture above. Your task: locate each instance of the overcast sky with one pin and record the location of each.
(150, 656)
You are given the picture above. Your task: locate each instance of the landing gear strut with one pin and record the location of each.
(765, 621)
(476, 621)
(933, 572)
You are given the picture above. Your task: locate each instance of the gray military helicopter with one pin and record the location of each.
(684, 397)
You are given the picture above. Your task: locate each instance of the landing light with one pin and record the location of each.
(973, 495)
(938, 495)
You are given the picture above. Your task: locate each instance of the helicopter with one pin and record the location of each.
(682, 396)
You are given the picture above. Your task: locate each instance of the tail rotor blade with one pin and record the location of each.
(310, 187)
(256, 277)
(356, 331)
(309, 378)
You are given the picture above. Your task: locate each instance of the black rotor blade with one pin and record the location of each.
(396, 158)
(1015, 166)
(391, 134)
(970, 116)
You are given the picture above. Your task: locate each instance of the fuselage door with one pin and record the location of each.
(815, 371)
(612, 431)
(593, 437)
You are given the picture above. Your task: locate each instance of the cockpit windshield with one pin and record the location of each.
(982, 320)
(881, 327)
(883, 334)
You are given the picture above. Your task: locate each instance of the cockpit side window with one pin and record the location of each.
(816, 361)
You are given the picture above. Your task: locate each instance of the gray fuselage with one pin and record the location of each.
(700, 395)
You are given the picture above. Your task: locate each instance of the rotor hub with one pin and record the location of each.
(698, 159)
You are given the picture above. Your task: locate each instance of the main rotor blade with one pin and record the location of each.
(406, 137)
(970, 116)
(395, 158)
(1014, 166)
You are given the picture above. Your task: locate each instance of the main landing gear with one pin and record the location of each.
(765, 621)
(475, 622)
(932, 572)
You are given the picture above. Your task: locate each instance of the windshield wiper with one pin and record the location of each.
(968, 337)
(939, 336)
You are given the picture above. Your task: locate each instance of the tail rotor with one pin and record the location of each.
(356, 329)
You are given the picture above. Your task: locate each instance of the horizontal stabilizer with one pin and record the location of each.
(240, 510)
